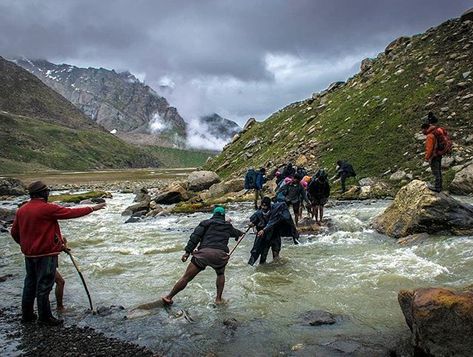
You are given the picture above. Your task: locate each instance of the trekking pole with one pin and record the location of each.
(239, 241)
(81, 278)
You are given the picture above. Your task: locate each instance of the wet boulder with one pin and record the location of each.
(141, 195)
(463, 181)
(441, 320)
(308, 225)
(172, 194)
(317, 318)
(416, 209)
(202, 180)
(12, 187)
(142, 206)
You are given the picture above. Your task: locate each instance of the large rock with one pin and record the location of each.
(222, 188)
(441, 320)
(463, 182)
(12, 187)
(202, 180)
(416, 209)
(142, 207)
(249, 124)
(467, 15)
(172, 194)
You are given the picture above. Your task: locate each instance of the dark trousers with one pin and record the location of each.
(436, 167)
(343, 178)
(39, 280)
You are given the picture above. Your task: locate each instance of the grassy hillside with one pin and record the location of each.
(31, 144)
(372, 120)
(171, 157)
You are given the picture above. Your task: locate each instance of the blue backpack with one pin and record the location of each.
(250, 179)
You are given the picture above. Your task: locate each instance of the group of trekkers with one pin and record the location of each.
(37, 231)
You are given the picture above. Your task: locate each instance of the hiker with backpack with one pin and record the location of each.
(208, 245)
(437, 144)
(318, 192)
(272, 222)
(294, 195)
(344, 170)
(254, 180)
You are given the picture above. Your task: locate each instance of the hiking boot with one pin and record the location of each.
(25, 319)
(50, 321)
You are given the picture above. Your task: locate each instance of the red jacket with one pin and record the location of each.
(430, 144)
(36, 228)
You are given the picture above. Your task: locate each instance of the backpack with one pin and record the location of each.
(444, 143)
(250, 179)
(301, 171)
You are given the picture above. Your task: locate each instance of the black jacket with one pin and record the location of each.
(212, 233)
(259, 219)
(319, 189)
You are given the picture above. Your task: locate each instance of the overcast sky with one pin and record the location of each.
(239, 58)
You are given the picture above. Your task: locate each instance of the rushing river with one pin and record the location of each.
(348, 270)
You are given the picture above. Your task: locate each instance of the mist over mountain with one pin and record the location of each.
(119, 102)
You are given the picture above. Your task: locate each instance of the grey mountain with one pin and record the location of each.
(219, 127)
(118, 101)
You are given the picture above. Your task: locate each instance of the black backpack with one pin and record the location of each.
(250, 179)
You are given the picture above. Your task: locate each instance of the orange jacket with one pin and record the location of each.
(430, 144)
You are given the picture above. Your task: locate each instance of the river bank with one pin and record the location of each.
(70, 340)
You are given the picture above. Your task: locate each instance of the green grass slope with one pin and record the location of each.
(30, 144)
(374, 118)
(172, 157)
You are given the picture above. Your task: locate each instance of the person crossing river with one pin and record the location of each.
(210, 238)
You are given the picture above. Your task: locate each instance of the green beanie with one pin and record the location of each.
(220, 210)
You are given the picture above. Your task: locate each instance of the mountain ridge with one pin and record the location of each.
(373, 119)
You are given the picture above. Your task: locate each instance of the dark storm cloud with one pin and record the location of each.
(238, 57)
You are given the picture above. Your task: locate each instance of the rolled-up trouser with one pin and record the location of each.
(436, 167)
(39, 280)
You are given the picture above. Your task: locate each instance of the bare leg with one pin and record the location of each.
(220, 282)
(296, 214)
(275, 255)
(191, 271)
(321, 213)
(59, 291)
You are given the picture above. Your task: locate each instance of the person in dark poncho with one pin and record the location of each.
(344, 171)
(319, 192)
(272, 223)
(210, 238)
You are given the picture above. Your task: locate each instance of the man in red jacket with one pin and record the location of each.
(36, 230)
(432, 155)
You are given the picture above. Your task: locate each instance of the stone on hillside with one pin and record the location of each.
(447, 161)
(366, 64)
(469, 139)
(367, 181)
(416, 209)
(302, 161)
(467, 15)
(235, 138)
(397, 43)
(419, 136)
(249, 124)
(251, 143)
(429, 105)
(334, 85)
(172, 194)
(12, 187)
(466, 74)
(202, 180)
(463, 181)
(398, 176)
(441, 320)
